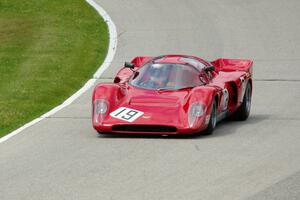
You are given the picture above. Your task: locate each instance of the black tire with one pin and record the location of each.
(102, 133)
(212, 120)
(244, 110)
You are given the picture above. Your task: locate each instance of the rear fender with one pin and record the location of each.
(124, 73)
(139, 61)
(237, 89)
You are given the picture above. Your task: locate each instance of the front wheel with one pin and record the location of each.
(212, 121)
(102, 133)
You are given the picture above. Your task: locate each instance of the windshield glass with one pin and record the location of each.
(167, 76)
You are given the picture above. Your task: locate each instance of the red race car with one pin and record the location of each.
(173, 94)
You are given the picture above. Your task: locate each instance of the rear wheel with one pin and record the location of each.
(244, 110)
(212, 121)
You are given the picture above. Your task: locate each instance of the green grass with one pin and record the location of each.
(48, 50)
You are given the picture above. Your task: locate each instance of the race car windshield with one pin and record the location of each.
(165, 76)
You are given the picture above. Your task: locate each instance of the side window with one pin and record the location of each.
(205, 77)
(209, 75)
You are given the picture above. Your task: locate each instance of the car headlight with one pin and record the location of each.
(196, 110)
(100, 109)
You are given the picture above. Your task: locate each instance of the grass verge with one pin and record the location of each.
(48, 50)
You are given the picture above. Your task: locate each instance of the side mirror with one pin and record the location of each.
(129, 65)
(209, 68)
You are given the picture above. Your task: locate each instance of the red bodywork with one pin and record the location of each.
(166, 112)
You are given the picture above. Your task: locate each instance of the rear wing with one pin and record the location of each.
(227, 65)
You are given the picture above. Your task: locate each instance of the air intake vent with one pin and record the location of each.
(144, 128)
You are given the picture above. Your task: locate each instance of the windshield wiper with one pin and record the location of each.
(188, 87)
(174, 89)
(163, 89)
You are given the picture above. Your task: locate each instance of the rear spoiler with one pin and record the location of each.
(140, 60)
(227, 65)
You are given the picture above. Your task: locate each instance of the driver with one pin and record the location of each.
(158, 77)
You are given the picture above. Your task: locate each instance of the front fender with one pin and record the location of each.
(204, 95)
(108, 91)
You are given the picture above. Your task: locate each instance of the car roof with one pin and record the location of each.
(178, 59)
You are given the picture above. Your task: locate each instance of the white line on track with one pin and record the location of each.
(108, 59)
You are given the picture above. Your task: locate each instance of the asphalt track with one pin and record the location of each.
(62, 157)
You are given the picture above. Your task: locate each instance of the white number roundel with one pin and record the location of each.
(126, 114)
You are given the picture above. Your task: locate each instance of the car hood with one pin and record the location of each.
(163, 108)
(155, 101)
